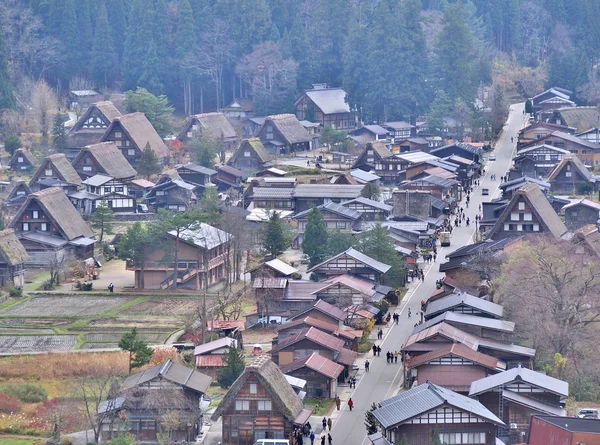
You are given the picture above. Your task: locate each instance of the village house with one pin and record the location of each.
(139, 187)
(537, 161)
(228, 177)
(196, 174)
(445, 189)
(291, 328)
(103, 158)
(283, 134)
(549, 94)
(351, 262)
(132, 133)
(277, 299)
(274, 268)
(580, 118)
(527, 212)
(92, 125)
(203, 260)
(22, 161)
(115, 193)
(508, 188)
(344, 290)
(453, 366)
(321, 310)
(250, 157)
(212, 125)
(369, 209)
(369, 133)
(280, 198)
(460, 149)
(538, 130)
(588, 152)
(260, 404)
(148, 396)
(173, 195)
(554, 430)
(15, 195)
(400, 130)
(581, 213)
(463, 303)
(428, 410)
(306, 196)
(209, 356)
(571, 177)
(321, 375)
(55, 169)
(406, 145)
(326, 106)
(377, 157)
(517, 394)
(51, 229)
(336, 217)
(13, 257)
(500, 330)
(590, 135)
(81, 99)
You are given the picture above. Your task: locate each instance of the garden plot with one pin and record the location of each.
(65, 306)
(139, 322)
(115, 337)
(100, 346)
(36, 343)
(17, 330)
(167, 306)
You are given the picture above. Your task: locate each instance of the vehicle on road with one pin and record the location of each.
(492, 157)
(445, 239)
(142, 208)
(587, 413)
(485, 191)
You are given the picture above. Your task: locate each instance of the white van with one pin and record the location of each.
(272, 442)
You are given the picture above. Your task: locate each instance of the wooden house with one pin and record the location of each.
(212, 125)
(555, 430)
(453, 366)
(292, 328)
(345, 290)
(149, 396)
(326, 106)
(405, 145)
(305, 196)
(571, 177)
(321, 310)
(103, 158)
(581, 213)
(15, 194)
(284, 134)
(260, 404)
(203, 260)
(321, 375)
(580, 118)
(336, 217)
(274, 268)
(527, 212)
(108, 189)
(277, 299)
(399, 130)
(351, 262)
(250, 157)
(55, 167)
(132, 133)
(13, 257)
(280, 198)
(196, 174)
(460, 149)
(508, 188)
(588, 152)
(22, 161)
(591, 135)
(429, 410)
(537, 160)
(517, 394)
(92, 125)
(81, 99)
(538, 130)
(209, 356)
(500, 330)
(51, 229)
(228, 177)
(377, 157)
(463, 303)
(172, 194)
(368, 133)
(369, 209)
(139, 187)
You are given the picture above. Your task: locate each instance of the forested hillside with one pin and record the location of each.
(395, 58)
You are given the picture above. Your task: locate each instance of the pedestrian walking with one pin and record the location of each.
(366, 365)
(434, 257)
(329, 439)
(312, 438)
(378, 351)
(409, 313)
(374, 350)
(395, 356)
(397, 317)
(350, 403)
(111, 288)
(322, 439)
(329, 423)
(324, 422)
(338, 402)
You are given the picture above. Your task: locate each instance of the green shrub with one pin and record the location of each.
(47, 285)
(12, 143)
(26, 392)
(15, 292)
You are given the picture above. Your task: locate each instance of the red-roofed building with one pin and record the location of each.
(320, 373)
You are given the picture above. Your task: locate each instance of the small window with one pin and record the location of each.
(370, 152)
(118, 134)
(44, 227)
(568, 174)
(246, 154)
(48, 172)
(87, 168)
(160, 193)
(107, 189)
(264, 405)
(20, 159)
(521, 206)
(25, 227)
(253, 388)
(527, 216)
(242, 405)
(35, 214)
(119, 189)
(131, 152)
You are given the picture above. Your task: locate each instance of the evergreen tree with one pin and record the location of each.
(85, 33)
(150, 75)
(314, 242)
(59, 136)
(134, 48)
(371, 191)
(234, 366)
(148, 164)
(274, 35)
(102, 218)
(370, 420)
(186, 44)
(211, 207)
(275, 235)
(12, 143)
(134, 246)
(377, 244)
(204, 149)
(139, 352)
(162, 35)
(118, 24)
(104, 55)
(338, 242)
(69, 40)
(7, 97)
(156, 108)
(55, 14)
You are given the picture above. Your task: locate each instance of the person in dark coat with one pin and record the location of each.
(324, 423)
(329, 439)
(323, 439)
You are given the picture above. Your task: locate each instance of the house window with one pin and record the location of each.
(118, 134)
(341, 225)
(527, 216)
(25, 227)
(370, 152)
(252, 388)
(568, 174)
(519, 228)
(119, 189)
(87, 168)
(20, 159)
(242, 405)
(521, 206)
(107, 189)
(391, 166)
(44, 227)
(246, 154)
(514, 216)
(264, 405)
(48, 172)
(35, 214)
(370, 159)
(160, 193)
(131, 152)
(462, 438)
(379, 166)
(536, 227)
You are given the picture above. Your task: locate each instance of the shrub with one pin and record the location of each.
(66, 441)
(12, 143)
(47, 285)
(107, 251)
(15, 292)
(27, 392)
(9, 404)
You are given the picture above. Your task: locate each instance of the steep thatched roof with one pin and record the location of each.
(576, 164)
(271, 377)
(23, 152)
(141, 132)
(12, 251)
(59, 209)
(581, 118)
(61, 165)
(14, 186)
(290, 128)
(253, 144)
(109, 158)
(214, 124)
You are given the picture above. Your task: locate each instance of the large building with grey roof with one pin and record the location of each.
(326, 106)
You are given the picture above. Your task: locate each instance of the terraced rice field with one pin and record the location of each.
(64, 306)
(36, 343)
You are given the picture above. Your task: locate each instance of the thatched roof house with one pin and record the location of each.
(103, 158)
(22, 160)
(214, 125)
(12, 251)
(56, 166)
(92, 124)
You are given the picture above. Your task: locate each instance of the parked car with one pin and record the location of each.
(485, 191)
(492, 157)
(587, 413)
(142, 208)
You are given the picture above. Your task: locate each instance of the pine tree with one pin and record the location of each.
(377, 244)
(139, 352)
(118, 24)
(134, 246)
(274, 35)
(371, 191)
(148, 164)
(59, 136)
(7, 97)
(55, 14)
(85, 32)
(69, 40)
(102, 218)
(104, 55)
(150, 75)
(234, 366)
(314, 242)
(211, 207)
(370, 420)
(275, 235)
(134, 47)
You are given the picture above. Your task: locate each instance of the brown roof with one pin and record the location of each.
(309, 321)
(270, 376)
(14, 185)
(210, 361)
(317, 336)
(317, 363)
(12, 251)
(458, 350)
(63, 167)
(59, 209)
(141, 132)
(256, 145)
(326, 308)
(365, 287)
(24, 153)
(216, 124)
(172, 372)
(110, 159)
(539, 204)
(290, 128)
(575, 162)
(380, 148)
(106, 108)
(444, 330)
(346, 357)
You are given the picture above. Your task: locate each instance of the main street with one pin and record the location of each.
(384, 379)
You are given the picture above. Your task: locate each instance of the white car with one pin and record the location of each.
(492, 157)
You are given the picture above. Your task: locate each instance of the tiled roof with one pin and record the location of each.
(346, 357)
(583, 202)
(207, 348)
(272, 193)
(269, 283)
(324, 307)
(327, 191)
(472, 320)
(444, 330)
(528, 402)
(333, 207)
(463, 299)
(369, 202)
(363, 286)
(204, 236)
(319, 337)
(520, 374)
(309, 321)
(172, 372)
(317, 363)
(458, 350)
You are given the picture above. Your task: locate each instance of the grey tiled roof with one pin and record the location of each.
(426, 397)
(453, 300)
(371, 203)
(358, 256)
(327, 191)
(334, 208)
(272, 192)
(474, 320)
(524, 375)
(528, 402)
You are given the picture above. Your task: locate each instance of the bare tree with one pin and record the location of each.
(44, 106)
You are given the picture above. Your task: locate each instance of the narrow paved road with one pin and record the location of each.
(383, 380)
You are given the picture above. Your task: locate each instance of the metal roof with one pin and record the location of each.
(315, 335)
(363, 175)
(327, 191)
(358, 256)
(520, 374)
(444, 330)
(463, 299)
(506, 347)
(97, 180)
(459, 350)
(206, 348)
(334, 208)
(204, 236)
(545, 146)
(427, 397)
(371, 203)
(317, 363)
(281, 267)
(398, 125)
(272, 193)
(532, 403)
(329, 100)
(269, 283)
(363, 286)
(324, 307)
(295, 381)
(417, 156)
(474, 320)
(584, 202)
